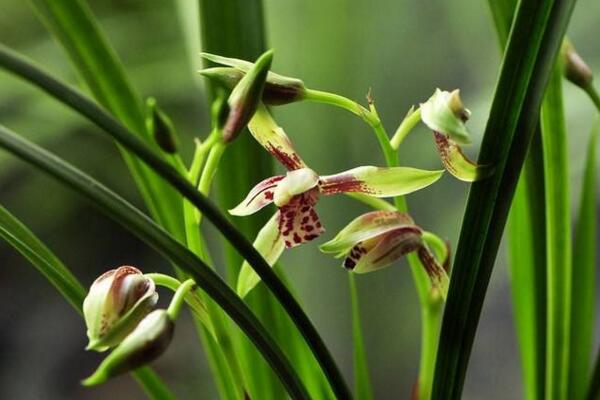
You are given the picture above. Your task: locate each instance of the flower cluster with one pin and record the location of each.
(371, 241)
(119, 309)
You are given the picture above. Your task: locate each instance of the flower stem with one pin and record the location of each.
(196, 304)
(179, 298)
(406, 126)
(333, 99)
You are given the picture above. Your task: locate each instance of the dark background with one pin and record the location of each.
(403, 50)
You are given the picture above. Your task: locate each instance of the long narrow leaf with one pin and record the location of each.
(143, 227)
(18, 65)
(531, 51)
(584, 279)
(527, 244)
(74, 25)
(25, 242)
(558, 236)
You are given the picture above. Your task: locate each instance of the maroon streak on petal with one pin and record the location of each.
(260, 196)
(431, 265)
(456, 162)
(383, 250)
(290, 161)
(342, 183)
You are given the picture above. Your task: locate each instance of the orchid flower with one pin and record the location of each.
(296, 193)
(445, 114)
(379, 238)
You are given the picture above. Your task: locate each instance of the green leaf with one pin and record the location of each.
(531, 52)
(558, 239)
(584, 278)
(25, 242)
(143, 227)
(527, 269)
(74, 25)
(527, 245)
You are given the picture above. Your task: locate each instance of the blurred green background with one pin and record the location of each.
(403, 50)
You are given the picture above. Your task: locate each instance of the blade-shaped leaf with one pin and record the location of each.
(527, 244)
(584, 278)
(558, 239)
(531, 52)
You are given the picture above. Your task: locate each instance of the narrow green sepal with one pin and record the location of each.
(245, 97)
(276, 92)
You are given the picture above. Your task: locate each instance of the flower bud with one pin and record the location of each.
(575, 69)
(278, 89)
(444, 112)
(117, 301)
(245, 96)
(145, 344)
(161, 127)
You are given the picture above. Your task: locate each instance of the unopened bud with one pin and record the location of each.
(117, 301)
(145, 344)
(444, 112)
(244, 98)
(575, 69)
(278, 89)
(161, 127)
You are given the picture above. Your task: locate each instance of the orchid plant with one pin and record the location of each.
(370, 242)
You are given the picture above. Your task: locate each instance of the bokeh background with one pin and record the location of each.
(403, 50)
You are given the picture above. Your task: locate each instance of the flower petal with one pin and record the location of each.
(381, 251)
(299, 221)
(269, 244)
(444, 112)
(295, 182)
(379, 182)
(260, 196)
(365, 227)
(266, 131)
(437, 273)
(456, 162)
